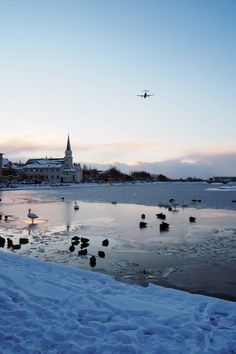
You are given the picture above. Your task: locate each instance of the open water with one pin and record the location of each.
(199, 256)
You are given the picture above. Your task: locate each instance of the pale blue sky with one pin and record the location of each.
(76, 66)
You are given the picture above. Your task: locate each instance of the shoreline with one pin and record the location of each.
(166, 283)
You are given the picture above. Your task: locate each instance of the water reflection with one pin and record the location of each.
(31, 227)
(52, 235)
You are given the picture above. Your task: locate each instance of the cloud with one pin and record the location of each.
(196, 165)
(26, 146)
(171, 160)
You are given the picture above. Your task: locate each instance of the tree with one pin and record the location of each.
(141, 176)
(163, 178)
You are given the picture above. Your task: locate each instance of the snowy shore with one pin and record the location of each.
(49, 308)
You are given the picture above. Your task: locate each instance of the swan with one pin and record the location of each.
(32, 216)
(76, 207)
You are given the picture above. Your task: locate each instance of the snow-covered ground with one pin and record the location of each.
(50, 308)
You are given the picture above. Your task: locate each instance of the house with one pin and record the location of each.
(222, 179)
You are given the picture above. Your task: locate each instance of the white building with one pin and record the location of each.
(54, 170)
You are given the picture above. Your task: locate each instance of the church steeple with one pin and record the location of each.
(68, 160)
(68, 148)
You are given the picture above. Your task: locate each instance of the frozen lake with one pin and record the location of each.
(198, 256)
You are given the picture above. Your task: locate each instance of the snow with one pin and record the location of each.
(50, 308)
(44, 163)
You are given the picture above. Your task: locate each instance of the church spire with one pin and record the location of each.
(68, 148)
(68, 159)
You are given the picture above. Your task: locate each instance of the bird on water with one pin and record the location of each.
(32, 216)
(76, 207)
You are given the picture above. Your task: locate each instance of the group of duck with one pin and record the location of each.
(5, 217)
(84, 243)
(10, 245)
(164, 226)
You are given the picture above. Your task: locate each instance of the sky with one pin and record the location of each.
(76, 67)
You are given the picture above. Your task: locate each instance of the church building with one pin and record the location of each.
(54, 170)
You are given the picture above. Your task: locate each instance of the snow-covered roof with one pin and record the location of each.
(44, 163)
(5, 162)
(17, 166)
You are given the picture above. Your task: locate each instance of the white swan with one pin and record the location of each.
(76, 207)
(32, 216)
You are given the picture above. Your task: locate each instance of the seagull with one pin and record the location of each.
(32, 216)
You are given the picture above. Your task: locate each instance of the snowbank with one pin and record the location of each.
(50, 308)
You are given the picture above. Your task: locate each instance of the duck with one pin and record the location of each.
(101, 254)
(105, 242)
(192, 219)
(75, 240)
(84, 245)
(142, 224)
(16, 247)
(23, 241)
(92, 261)
(164, 226)
(161, 216)
(72, 248)
(32, 216)
(9, 243)
(2, 241)
(76, 207)
(84, 240)
(83, 252)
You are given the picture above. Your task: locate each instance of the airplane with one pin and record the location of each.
(146, 94)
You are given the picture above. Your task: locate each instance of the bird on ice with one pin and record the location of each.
(32, 216)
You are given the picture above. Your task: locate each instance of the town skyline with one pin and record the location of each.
(172, 168)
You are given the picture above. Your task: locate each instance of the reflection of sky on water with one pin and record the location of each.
(213, 234)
